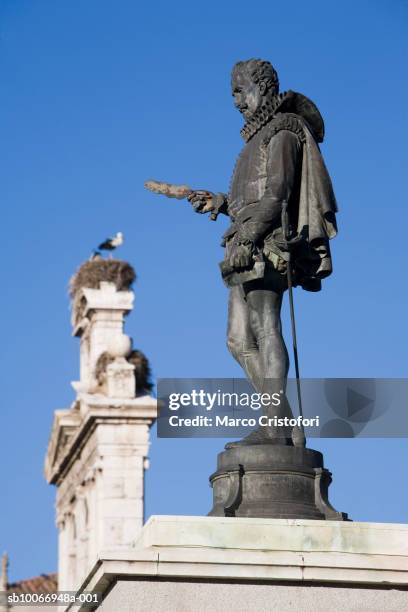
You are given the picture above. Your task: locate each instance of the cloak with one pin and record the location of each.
(316, 222)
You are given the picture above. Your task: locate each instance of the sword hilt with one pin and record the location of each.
(290, 242)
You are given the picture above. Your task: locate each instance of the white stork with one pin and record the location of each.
(110, 244)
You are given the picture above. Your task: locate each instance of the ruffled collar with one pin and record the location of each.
(263, 115)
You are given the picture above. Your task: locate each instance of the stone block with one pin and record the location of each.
(215, 563)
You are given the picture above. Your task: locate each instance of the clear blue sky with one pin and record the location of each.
(98, 96)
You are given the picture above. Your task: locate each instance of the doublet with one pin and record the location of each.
(251, 171)
(281, 161)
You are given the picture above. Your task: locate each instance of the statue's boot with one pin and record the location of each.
(298, 436)
(272, 434)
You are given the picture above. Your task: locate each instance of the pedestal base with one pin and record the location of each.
(191, 563)
(272, 481)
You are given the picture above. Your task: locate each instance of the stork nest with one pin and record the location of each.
(98, 270)
(92, 273)
(143, 374)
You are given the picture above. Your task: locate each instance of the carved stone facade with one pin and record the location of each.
(98, 448)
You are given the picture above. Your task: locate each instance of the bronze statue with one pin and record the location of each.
(282, 210)
(280, 163)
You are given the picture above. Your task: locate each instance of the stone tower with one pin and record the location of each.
(97, 453)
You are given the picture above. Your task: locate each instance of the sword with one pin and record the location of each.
(180, 192)
(289, 243)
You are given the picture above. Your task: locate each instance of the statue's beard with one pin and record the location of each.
(266, 103)
(248, 114)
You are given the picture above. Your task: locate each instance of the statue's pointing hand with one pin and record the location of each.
(202, 200)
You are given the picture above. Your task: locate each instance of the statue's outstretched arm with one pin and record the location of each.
(202, 200)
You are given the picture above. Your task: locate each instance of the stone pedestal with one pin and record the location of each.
(216, 564)
(272, 481)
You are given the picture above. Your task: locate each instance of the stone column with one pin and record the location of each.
(98, 448)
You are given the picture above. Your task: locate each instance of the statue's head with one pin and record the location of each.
(253, 82)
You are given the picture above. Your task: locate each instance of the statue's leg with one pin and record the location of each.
(264, 312)
(255, 339)
(241, 341)
(264, 305)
